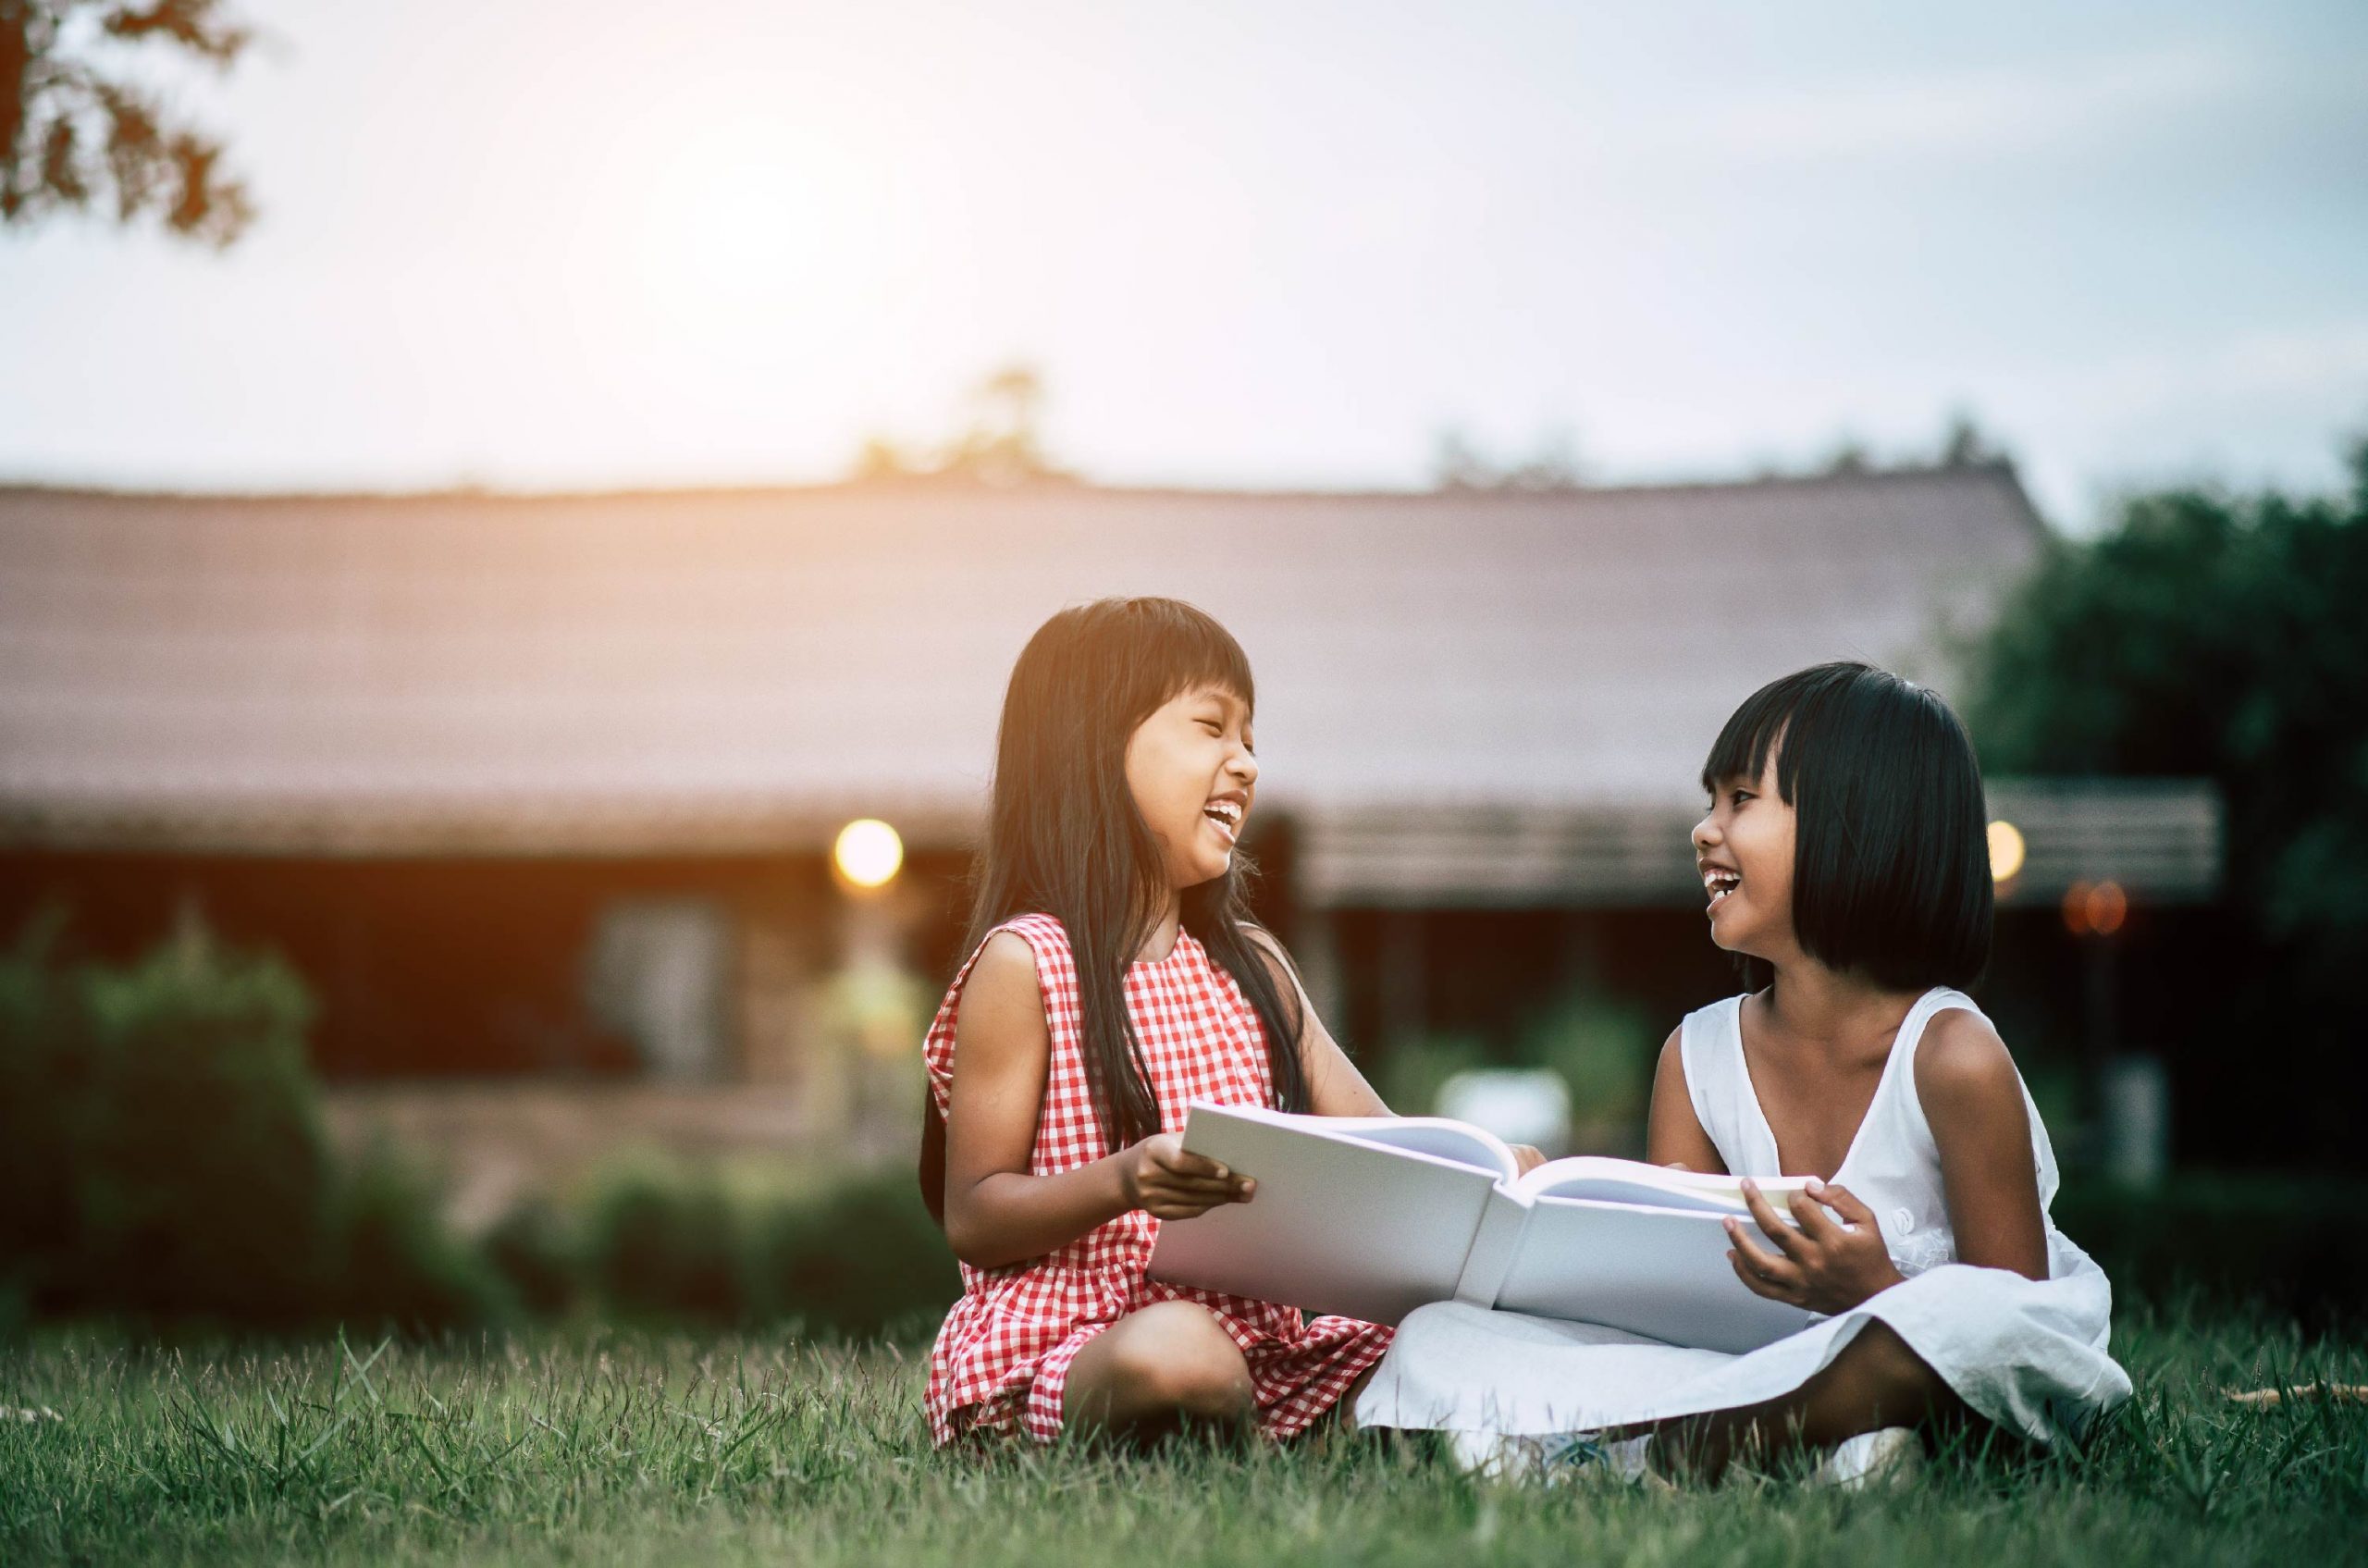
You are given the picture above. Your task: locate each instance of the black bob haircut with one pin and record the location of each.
(1891, 862)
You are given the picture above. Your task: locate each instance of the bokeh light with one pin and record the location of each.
(2005, 851)
(2095, 908)
(869, 852)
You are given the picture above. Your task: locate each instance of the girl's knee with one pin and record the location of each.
(1176, 1354)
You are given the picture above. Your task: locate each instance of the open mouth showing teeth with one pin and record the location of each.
(1718, 882)
(1225, 814)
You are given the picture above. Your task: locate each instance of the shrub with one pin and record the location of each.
(861, 1258)
(203, 1155)
(666, 1243)
(163, 1154)
(2287, 1244)
(538, 1250)
(391, 1261)
(44, 1095)
(180, 1142)
(1603, 1050)
(854, 1257)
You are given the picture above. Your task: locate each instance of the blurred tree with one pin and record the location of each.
(2222, 635)
(1964, 444)
(1458, 466)
(1000, 441)
(1004, 442)
(1849, 456)
(1554, 465)
(880, 458)
(77, 124)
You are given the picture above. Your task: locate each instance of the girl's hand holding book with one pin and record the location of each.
(1159, 1176)
(1819, 1263)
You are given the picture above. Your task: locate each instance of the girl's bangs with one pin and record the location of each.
(1751, 733)
(1190, 651)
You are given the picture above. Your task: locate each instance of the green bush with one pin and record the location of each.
(862, 1258)
(1602, 1048)
(162, 1155)
(391, 1262)
(203, 1155)
(2287, 1244)
(538, 1248)
(667, 1245)
(1413, 1074)
(856, 1257)
(45, 1073)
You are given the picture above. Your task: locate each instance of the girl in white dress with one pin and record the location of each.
(1844, 859)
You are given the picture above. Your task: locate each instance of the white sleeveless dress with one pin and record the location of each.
(2028, 1354)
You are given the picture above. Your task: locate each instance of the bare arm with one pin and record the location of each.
(1674, 1136)
(996, 1212)
(1335, 1087)
(1973, 1099)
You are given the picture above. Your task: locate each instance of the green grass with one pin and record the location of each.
(590, 1448)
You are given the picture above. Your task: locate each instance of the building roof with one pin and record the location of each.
(730, 670)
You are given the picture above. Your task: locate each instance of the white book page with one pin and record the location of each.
(1602, 1180)
(1435, 1136)
(1342, 1222)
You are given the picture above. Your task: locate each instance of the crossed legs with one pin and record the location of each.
(1167, 1366)
(1875, 1382)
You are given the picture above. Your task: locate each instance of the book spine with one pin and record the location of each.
(1494, 1247)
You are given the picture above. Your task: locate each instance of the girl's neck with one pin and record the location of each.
(1162, 941)
(1810, 1002)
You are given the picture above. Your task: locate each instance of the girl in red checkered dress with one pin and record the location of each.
(1112, 980)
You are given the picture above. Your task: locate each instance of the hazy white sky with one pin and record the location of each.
(535, 243)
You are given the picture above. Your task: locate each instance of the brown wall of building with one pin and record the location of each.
(454, 968)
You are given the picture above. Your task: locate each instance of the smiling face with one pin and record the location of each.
(1743, 849)
(1193, 777)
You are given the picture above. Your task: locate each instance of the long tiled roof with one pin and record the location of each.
(725, 669)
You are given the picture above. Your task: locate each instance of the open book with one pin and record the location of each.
(1373, 1216)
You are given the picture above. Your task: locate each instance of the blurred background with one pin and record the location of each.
(516, 517)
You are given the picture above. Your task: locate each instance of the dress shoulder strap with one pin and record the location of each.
(1909, 1101)
(1044, 935)
(1055, 981)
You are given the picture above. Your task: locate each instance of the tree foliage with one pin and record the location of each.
(2216, 635)
(79, 128)
(2219, 635)
(1000, 443)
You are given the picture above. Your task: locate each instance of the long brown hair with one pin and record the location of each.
(1065, 839)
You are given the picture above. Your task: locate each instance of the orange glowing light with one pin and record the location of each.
(2095, 908)
(2108, 906)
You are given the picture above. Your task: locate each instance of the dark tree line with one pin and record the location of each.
(2223, 636)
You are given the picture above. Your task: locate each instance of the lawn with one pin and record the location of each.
(596, 1448)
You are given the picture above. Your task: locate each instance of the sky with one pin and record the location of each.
(1280, 243)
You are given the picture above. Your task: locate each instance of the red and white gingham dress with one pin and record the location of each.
(1003, 1356)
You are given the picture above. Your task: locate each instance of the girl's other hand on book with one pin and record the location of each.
(1161, 1178)
(1825, 1264)
(1525, 1159)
